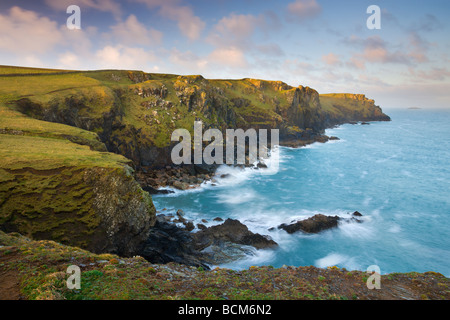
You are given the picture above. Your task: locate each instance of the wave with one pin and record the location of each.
(234, 197)
(337, 259)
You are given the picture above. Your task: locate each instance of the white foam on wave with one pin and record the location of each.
(258, 257)
(356, 230)
(337, 259)
(394, 228)
(238, 196)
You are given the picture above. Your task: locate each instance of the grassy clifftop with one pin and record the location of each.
(134, 113)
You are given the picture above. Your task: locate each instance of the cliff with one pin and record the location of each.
(70, 141)
(71, 192)
(134, 113)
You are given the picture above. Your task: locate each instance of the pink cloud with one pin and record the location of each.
(304, 9)
(331, 59)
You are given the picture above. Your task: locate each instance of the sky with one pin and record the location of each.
(323, 44)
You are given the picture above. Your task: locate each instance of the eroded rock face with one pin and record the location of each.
(126, 212)
(100, 209)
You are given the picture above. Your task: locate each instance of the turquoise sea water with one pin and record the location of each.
(397, 174)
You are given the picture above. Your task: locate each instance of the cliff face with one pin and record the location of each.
(134, 113)
(345, 107)
(57, 182)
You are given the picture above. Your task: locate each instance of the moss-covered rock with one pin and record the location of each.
(53, 188)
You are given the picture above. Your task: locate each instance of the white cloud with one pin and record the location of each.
(120, 57)
(23, 31)
(132, 32)
(229, 57)
(69, 61)
(189, 24)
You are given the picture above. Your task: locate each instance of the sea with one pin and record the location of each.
(396, 174)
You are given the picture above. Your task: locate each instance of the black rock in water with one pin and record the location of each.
(169, 243)
(232, 231)
(152, 190)
(315, 224)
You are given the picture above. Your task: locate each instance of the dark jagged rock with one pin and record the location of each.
(214, 245)
(318, 223)
(315, 224)
(169, 243)
(232, 231)
(357, 214)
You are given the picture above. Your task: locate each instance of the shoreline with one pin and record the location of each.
(181, 177)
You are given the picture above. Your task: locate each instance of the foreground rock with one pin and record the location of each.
(211, 246)
(317, 223)
(169, 243)
(232, 231)
(230, 241)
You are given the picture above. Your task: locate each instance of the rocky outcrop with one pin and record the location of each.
(232, 231)
(126, 213)
(210, 246)
(317, 223)
(168, 243)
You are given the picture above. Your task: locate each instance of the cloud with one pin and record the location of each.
(419, 47)
(429, 24)
(331, 59)
(304, 9)
(189, 61)
(376, 50)
(132, 32)
(234, 34)
(238, 26)
(70, 61)
(121, 57)
(102, 5)
(435, 74)
(23, 31)
(232, 57)
(189, 24)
